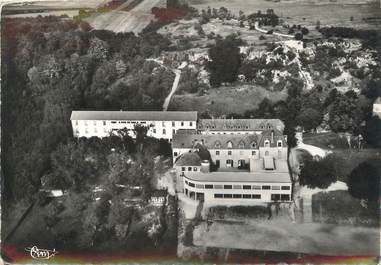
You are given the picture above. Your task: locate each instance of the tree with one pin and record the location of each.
(225, 60)
(373, 131)
(298, 36)
(364, 182)
(305, 31)
(309, 118)
(318, 173)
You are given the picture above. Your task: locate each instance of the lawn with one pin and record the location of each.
(325, 140)
(339, 207)
(224, 100)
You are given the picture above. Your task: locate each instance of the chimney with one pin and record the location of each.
(205, 166)
(272, 136)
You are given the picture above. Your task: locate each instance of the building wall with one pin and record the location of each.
(237, 154)
(237, 188)
(158, 129)
(230, 132)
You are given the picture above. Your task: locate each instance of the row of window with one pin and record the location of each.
(262, 127)
(237, 187)
(133, 122)
(189, 169)
(274, 197)
(237, 196)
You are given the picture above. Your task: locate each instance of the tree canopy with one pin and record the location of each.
(364, 182)
(318, 173)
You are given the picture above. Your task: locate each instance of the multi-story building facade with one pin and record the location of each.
(241, 169)
(238, 126)
(234, 150)
(161, 125)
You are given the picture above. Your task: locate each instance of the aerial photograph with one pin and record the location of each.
(190, 132)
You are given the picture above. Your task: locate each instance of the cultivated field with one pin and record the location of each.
(306, 12)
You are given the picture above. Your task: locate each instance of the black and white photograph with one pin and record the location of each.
(190, 131)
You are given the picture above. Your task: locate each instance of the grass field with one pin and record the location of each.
(224, 100)
(339, 207)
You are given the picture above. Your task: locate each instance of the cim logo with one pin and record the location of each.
(41, 254)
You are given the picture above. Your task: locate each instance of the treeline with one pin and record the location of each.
(369, 37)
(52, 66)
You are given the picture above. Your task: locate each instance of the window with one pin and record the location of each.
(246, 187)
(275, 197)
(255, 187)
(228, 187)
(228, 196)
(174, 153)
(163, 124)
(191, 184)
(190, 123)
(186, 191)
(154, 130)
(183, 168)
(285, 197)
(279, 143)
(189, 168)
(173, 131)
(253, 153)
(246, 196)
(173, 124)
(275, 187)
(194, 168)
(265, 187)
(253, 145)
(218, 187)
(86, 130)
(208, 186)
(241, 145)
(199, 186)
(217, 144)
(267, 143)
(237, 196)
(217, 153)
(230, 144)
(186, 182)
(217, 195)
(76, 123)
(182, 123)
(285, 187)
(164, 132)
(218, 163)
(237, 187)
(113, 122)
(256, 196)
(76, 131)
(229, 163)
(229, 153)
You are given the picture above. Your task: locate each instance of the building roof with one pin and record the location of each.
(216, 141)
(189, 159)
(264, 165)
(135, 115)
(278, 136)
(240, 124)
(219, 176)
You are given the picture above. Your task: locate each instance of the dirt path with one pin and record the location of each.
(257, 28)
(173, 89)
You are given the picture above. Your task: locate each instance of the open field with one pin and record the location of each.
(277, 235)
(224, 100)
(305, 12)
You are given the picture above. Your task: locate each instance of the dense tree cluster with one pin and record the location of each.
(225, 60)
(52, 66)
(364, 181)
(318, 173)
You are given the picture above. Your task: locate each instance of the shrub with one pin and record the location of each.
(364, 182)
(318, 173)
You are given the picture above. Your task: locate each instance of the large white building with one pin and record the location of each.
(377, 107)
(162, 125)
